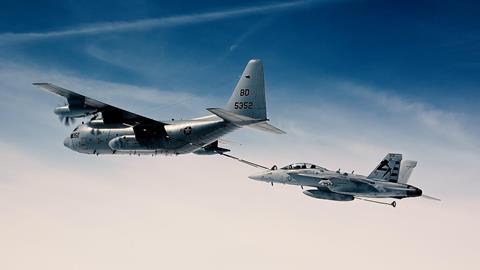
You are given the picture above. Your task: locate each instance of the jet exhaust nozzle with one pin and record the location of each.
(414, 192)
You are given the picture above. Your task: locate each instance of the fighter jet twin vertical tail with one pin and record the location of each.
(388, 180)
(112, 130)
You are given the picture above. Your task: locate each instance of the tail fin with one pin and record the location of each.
(388, 169)
(246, 106)
(406, 169)
(248, 98)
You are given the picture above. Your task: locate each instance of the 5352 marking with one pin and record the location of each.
(244, 105)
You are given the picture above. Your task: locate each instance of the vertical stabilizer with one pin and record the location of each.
(248, 98)
(388, 169)
(406, 169)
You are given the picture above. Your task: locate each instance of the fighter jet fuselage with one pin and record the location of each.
(334, 185)
(388, 180)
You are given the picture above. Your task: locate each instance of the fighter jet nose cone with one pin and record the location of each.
(256, 176)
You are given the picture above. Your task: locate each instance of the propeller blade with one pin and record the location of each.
(430, 198)
(66, 120)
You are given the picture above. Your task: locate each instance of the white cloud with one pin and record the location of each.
(326, 133)
(65, 210)
(453, 126)
(121, 212)
(145, 24)
(158, 104)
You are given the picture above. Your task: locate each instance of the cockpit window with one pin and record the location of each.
(299, 166)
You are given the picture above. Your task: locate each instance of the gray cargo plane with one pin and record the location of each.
(388, 180)
(112, 130)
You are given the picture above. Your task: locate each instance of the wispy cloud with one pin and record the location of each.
(160, 104)
(250, 31)
(452, 126)
(146, 24)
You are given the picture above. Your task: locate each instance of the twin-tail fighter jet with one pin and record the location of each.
(388, 180)
(112, 130)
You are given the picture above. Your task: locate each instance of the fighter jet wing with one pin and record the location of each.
(110, 114)
(323, 177)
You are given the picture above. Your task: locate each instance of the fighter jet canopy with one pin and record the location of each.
(298, 166)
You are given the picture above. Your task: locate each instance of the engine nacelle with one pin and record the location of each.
(74, 111)
(99, 123)
(327, 195)
(211, 149)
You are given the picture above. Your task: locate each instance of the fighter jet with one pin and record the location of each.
(111, 130)
(388, 180)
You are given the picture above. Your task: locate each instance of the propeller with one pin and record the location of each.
(67, 121)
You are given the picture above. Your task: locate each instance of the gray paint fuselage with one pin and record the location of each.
(341, 183)
(182, 137)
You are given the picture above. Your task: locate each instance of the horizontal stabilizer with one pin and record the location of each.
(267, 127)
(242, 120)
(236, 119)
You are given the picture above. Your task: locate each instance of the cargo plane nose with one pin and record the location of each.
(67, 142)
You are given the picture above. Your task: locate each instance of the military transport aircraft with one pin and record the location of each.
(388, 180)
(112, 130)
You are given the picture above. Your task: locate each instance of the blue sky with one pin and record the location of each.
(421, 49)
(348, 80)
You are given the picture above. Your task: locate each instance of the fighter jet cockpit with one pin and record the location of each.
(299, 166)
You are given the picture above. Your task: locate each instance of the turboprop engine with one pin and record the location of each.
(68, 112)
(73, 111)
(327, 195)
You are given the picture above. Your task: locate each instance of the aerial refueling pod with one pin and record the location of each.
(211, 149)
(327, 195)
